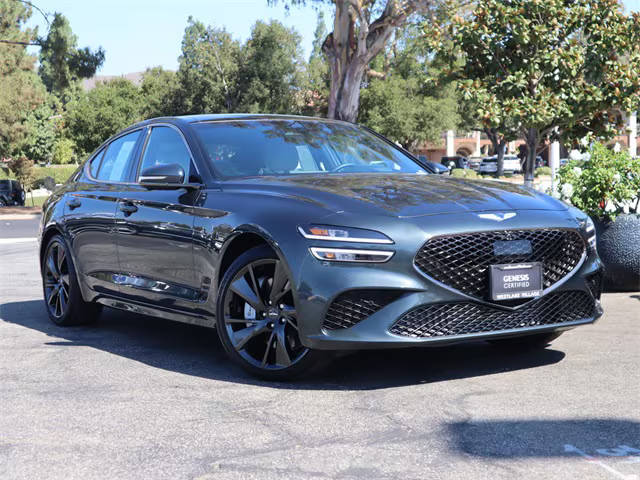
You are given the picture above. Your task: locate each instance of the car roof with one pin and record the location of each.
(218, 117)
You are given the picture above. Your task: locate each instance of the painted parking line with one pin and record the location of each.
(9, 241)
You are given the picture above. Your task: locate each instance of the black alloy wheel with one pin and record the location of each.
(257, 319)
(62, 295)
(56, 280)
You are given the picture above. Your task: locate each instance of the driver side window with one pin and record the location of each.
(166, 146)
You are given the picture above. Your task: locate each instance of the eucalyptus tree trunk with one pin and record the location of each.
(533, 141)
(354, 42)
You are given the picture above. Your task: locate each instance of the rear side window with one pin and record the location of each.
(95, 163)
(117, 159)
(166, 146)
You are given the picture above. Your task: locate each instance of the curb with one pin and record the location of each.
(19, 216)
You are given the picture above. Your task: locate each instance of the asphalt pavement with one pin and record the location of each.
(138, 397)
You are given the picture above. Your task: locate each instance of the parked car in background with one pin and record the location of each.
(438, 168)
(490, 164)
(11, 193)
(474, 163)
(296, 236)
(457, 161)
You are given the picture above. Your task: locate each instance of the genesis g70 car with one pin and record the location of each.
(296, 236)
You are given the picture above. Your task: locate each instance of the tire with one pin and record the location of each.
(259, 336)
(62, 296)
(528, 342)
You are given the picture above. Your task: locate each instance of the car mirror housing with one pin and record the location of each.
(166, 174)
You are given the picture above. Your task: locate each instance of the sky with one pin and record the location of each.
(137, 34)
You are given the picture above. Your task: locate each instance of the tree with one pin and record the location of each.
(63, 151)
(219, 74)
(43, 127)
(101, 112)
(159, 89)
(61, 63)
(270, 75)
(208, 70)
(22, 90)
(551, 69)
(22, 169)
(316, 89)
(361, 30)
(401, 100)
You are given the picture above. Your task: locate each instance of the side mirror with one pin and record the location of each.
(171, 173)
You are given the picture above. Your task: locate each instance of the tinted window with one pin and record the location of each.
(117, 159)
(95, 163)
(272, 147)
(5, 185)
(166, 146)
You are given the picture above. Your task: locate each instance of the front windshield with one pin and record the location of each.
(287, 147)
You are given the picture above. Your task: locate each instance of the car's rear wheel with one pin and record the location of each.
(62, 295)
(540, 340)
(257, 319)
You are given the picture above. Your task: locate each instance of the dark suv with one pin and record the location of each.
(11, 193)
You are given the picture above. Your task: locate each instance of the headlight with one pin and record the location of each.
(590, 228)
(347, 255)
(343, 234)
(586, 224)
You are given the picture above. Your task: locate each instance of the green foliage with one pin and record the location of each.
(604, 186)
(61, 63)
(406, 104)
(543, 171)
(43, 126)
(316, 75)
(270, 75)
(159, 89)
(21, 91)
(63, 152)
(101, 112)
(464, 173)
(59, 173)
(22, 170)
(547, 68)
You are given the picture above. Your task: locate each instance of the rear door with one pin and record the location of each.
(154, 230)
(90, 208)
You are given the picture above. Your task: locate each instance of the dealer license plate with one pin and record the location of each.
(518, 280)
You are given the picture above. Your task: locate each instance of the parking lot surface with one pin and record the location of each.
(137, 397)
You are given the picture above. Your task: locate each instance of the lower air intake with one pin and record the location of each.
(354, 306)
(450, 319)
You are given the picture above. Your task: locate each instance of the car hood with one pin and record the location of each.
(402, 195)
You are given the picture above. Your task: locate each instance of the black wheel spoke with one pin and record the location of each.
(60, 260)
(242, 320)
(52, 267)
(266, 352)
(282, 355)
(65, 279)
(242, 288)
(241, 337)
(279, 282)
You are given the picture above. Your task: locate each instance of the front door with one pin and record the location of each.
(154, 230)
(90, 209)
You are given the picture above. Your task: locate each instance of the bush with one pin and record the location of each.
(543, 171)
(464, 173)
(604, 186)
(62, 151)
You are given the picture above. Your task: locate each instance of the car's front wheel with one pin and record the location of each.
(257, 319)
(62, 295)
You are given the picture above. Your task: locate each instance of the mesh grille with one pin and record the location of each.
(462, 261)
(447, 319)
(355, 305)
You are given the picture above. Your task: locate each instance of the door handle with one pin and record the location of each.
(73, 203)
(128, 208)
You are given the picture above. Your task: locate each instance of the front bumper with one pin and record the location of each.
(319, 284)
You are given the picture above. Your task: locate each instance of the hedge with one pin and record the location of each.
(59, 173)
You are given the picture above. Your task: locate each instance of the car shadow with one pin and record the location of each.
(193, 350)
(515, 439)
